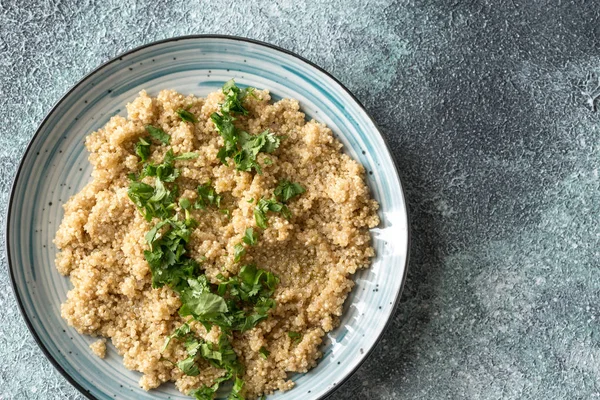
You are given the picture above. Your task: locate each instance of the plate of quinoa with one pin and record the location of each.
(207, 217)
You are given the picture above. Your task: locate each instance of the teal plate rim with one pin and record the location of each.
(9, 213)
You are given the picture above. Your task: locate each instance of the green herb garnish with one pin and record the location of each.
(152, 201)
(240, 146)
(220, 355)
(207, 196)
(186, 156)
(164, 171)
(264, 353)
(158, 134)
(225, 212)
(295, 336)
(250, 237)
(234, 97)
(263, 206)
(286, 190)
(142, 149)
(186, 116)
(239, 252)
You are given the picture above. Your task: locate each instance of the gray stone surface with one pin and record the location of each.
(489, 108)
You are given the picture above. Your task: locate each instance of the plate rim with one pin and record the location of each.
(85, 392)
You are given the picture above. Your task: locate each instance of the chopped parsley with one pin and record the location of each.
(158, 134)
(164, 171)
(186, 116)
(220, 355)
(286, 190)
(264, 353)
(263, 206)
(207, 196)
(295, 336)
(234, 97)
(153, 201)
(142, 149)
(186, 156)
(250, 237)
(225, 212)
(239, 252)
(251, 145)
(239, 145)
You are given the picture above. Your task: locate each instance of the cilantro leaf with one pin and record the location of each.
(250, 237)
(295, 336)
(236, 391)
(264, 205)
(239, 252)
(186, 115)
(152, 201)
(198, 301)
(234, 97)
(142, 149)
(178, 333)
(264, 353)
(286, 190)
(207, 196)
(204, 392)
(251, 145)
(225, 127)
(241, 146)
(158, 134)
(165, 171)
(184, 203)
(187, 156)
(188, 366)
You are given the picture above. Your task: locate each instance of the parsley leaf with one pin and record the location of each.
(251, 145)
(250, 237)
(224, 125)
(158, 134)
(264, 353)
(235, 393)
(142, 149)
(188, 366)
(264, 205)
(178, 333)
(295, 336)
(207, 196)
(239, 252)
(204, 392)
(186, 156)
(286, 190)
(152, 202)
(241, 146)
(234, 97)
(198, 301)
(186, 115)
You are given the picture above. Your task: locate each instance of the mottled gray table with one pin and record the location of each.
(490, 110)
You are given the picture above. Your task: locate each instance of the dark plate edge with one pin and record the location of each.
(52, 360)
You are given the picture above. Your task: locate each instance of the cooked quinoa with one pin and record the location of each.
(99, 348)
(314, 252)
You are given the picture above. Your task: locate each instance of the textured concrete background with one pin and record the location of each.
(490, 109)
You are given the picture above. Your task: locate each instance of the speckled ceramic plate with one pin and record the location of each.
(55, 167)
